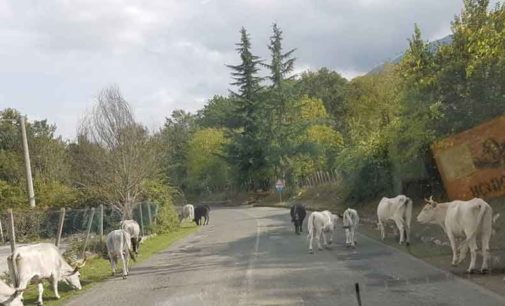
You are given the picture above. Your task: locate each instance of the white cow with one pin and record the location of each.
(119, 247)
(398, 209)
(319, 225)
(187, 212)
(132, 228)
(470, 219)
(350, 220)
(43, 261)
(10, 296)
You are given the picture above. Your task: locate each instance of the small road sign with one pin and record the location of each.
(279, 185)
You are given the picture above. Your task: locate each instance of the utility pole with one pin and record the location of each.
(29, 181)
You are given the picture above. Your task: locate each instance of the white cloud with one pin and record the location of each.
(56, 55)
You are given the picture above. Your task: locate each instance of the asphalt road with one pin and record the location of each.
(251, 256)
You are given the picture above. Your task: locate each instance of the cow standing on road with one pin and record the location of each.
(119, 247)
(298, 214)
(202, 211)
(133, 228)
(320, 225)
(398, 209)
(471, 219)
(187, 212)
(42, 261)
(350, 220)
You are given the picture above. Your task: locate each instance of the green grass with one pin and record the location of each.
(98, 269)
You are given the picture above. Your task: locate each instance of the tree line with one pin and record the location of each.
(375, 130)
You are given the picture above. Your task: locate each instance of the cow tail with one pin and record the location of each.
(482, 211)
(310, 225)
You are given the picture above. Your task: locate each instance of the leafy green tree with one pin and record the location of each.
(174, 139)
(329, 86)
(218, 113)
(207, 171)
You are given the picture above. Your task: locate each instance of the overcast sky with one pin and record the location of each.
(56, 55)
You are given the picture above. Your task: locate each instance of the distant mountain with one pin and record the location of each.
(433, 46)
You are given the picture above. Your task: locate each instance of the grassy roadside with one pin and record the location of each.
(98, 269)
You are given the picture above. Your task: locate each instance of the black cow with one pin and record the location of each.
(298, 213)
(202, 211)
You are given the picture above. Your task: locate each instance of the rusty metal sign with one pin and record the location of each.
(472, 163)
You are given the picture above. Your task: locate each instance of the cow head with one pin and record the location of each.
(73, 277)
(15, 299)
(136, 244)
(427, 214)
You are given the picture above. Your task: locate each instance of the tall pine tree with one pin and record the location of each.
(280, 97)
(246, 149)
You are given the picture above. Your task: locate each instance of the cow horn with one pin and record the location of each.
(431, 199)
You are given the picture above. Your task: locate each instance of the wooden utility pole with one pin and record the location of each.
(29, 180)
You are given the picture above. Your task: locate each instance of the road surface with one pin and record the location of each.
(251, 256)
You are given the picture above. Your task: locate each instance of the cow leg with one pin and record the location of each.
(127, 257)
(462, 253)
(125, 269)
(321, 236)
(54, 281)
(399, 224)
(347, 234)
(310, 242)
(112, 264)
(452, 240)
(485, 253)
(353, 244)
(40, 288)
(381, 227)
(473, 255)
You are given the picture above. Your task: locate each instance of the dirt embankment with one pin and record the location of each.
(428, 242)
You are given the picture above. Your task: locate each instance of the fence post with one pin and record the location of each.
(90, 222)
(156, 207)
(60, 227)
(149, 215)
(2, 231)
(12, 231)
(100, 225)
(141, 220)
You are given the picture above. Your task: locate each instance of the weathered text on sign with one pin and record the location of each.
(472, 163)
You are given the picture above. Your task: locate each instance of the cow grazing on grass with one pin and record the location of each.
(132, 228)
(10, 296)
(42, 261)
(350, 220)
(398, 209)
(298, 214)
(471, 219)
(187, 212)
(321, 225)
(119, 247)
(202, 211)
